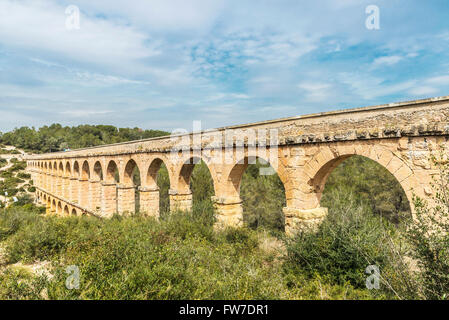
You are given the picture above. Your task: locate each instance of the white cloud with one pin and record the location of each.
(387, 60)
(370, 87)
(424, 90)
(85, 113)
(161, 15)
(40, 26)
(440, 80)
(315, 91)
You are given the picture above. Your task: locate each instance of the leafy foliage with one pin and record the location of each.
(180, 257)
(58, 138)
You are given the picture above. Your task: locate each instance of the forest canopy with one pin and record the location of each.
(58, 138)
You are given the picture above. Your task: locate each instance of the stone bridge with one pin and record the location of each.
(302, 150)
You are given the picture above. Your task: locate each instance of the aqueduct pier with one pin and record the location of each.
(303, 151)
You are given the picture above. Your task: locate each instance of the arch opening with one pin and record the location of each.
(202, 187)
(112, 173)
(76, 170)
(262, 193)
(98, 171)
(132, 178)
(364, 181)
(158, 178)
(68, 169)
(195, 179)
(85, 172)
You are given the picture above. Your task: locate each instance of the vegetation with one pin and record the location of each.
(13, 179)
(58, 138)
(181, 257)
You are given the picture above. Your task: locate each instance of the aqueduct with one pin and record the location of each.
(303, 150)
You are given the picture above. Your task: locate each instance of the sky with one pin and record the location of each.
(162, 64)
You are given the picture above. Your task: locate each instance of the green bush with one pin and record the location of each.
(349, 240)
(263, 199)
(141, 258)
(23, 175)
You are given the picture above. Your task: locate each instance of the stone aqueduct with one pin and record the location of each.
(303, 150)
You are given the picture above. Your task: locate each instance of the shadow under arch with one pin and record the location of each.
(85, 172)
(112, 173)
(262, 191)
(98, 171)
(67, 170)
(76, 170)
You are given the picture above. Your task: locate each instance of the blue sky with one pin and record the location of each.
(162, 64)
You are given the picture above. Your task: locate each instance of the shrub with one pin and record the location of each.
(23, 175)
(349, 240)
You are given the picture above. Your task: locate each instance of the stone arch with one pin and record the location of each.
(68, 170)
(85, 172)
(59, 208)
(76, 170)
(150, 200)
(128, 199)
(74, 213)
(130, 170)
(97, 171)
(48, 205)
(234, 177)
(184, 174)
(61, 169)
(229, 202)
(111, 170)
(150, 180)
(66, 210)
(318, 169)
(53, 206)
(181, 197)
